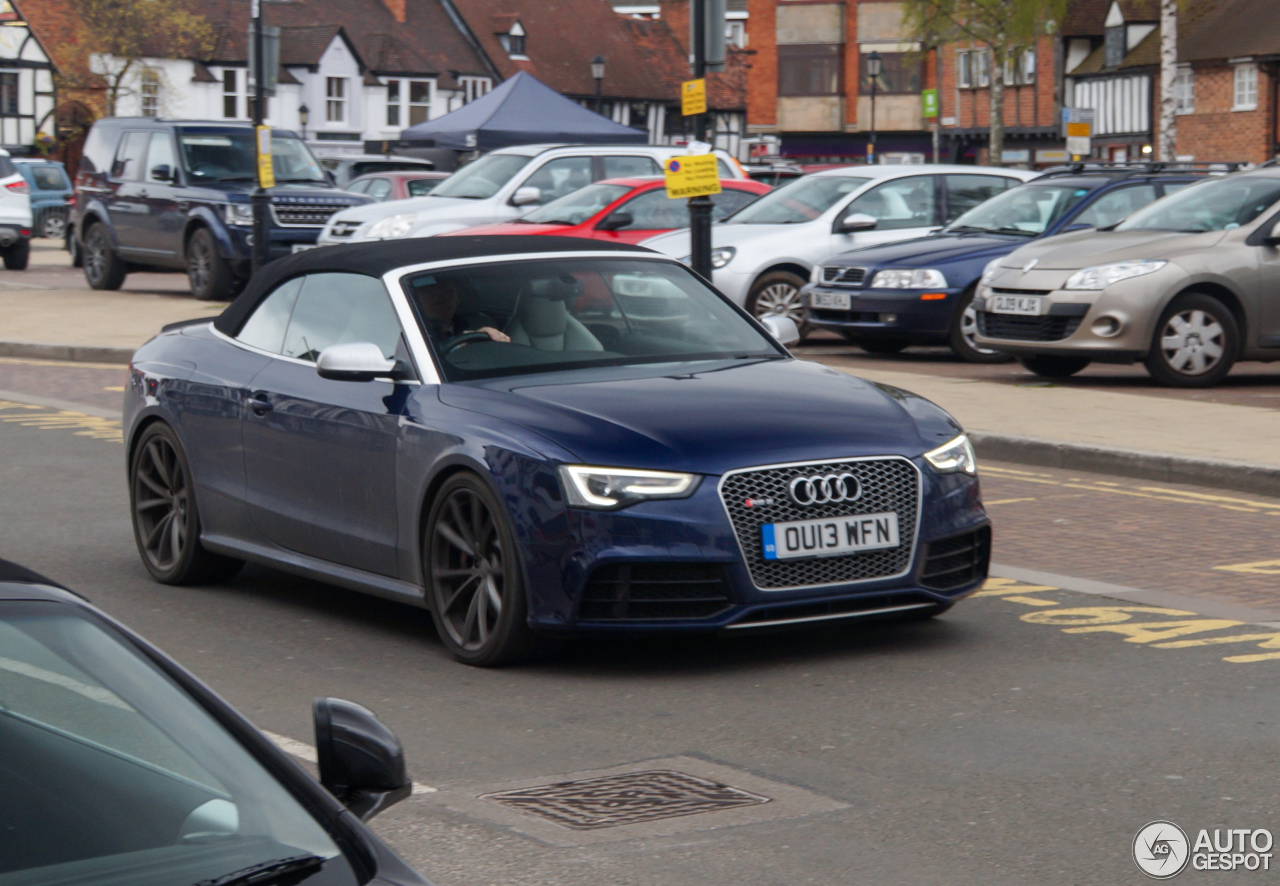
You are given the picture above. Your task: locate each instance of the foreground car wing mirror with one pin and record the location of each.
(784, 329)
(615, 221)
(358, 361)
(163, 173)
(858, 221)
(525, 196)
(361, 761)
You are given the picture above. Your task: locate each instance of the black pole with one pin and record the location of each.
(700, 207)
(599, 86)
(871, 155)
(261, 202)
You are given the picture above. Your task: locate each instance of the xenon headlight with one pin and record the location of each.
(392, 227)
(608, 488)
(909, 279)
(238, 213)
(1102, 276)
(954, 456)
(722, 256)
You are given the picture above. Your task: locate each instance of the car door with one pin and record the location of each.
(320, 455)
(161, 192)
(126, 204)
(902, 207)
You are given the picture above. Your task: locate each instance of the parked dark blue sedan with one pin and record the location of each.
(918, 292)
(539, 434)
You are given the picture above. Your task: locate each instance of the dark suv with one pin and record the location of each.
(919, 292)
(174, 194)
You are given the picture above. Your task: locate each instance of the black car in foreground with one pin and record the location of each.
(118, 768)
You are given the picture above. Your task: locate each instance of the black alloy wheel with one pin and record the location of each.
(210, 274)
(1053, 365)
(166, 524)
(103, 269)
(473, 576)
(964, 328)
(1195, 344)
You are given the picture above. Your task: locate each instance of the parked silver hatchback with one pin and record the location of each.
(1189, 285)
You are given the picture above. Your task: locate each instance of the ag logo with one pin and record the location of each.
(1161, 850)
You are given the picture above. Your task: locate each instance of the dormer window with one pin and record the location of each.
(1116, 37)
(513, 41)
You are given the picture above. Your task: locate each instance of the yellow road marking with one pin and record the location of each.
(1261, 567)
(114, 388)
(1008, 501)
(47, 419)
(1031, 601)
(995, 470)
(1207, 497)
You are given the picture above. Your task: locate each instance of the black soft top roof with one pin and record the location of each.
(376, 259)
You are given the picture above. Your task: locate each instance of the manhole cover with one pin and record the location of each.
(625, 799)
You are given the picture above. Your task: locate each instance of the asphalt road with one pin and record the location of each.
(1024, 737)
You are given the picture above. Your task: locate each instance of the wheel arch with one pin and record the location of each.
(791, 267)
(202, 217)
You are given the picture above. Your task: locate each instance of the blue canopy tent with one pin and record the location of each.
(522, 111)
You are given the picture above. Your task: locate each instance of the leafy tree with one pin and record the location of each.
(1007, 28)
(120, 33)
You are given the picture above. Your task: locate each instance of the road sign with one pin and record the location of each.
(1077, 126)
(929, 102)
(693, 97)
(693, 175)
(266, 171)
(1078, 146)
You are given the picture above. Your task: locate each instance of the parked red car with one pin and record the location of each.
(381, 186)
(622, 210)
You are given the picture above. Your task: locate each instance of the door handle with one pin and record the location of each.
(260, 404)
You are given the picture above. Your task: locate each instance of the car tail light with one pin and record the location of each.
(26, 232)
(18, 187)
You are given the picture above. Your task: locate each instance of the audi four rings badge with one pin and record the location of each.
(827, 489)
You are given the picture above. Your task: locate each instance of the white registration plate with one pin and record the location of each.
(303, 247)
(1026, 305)
(838, 301)
(829, 537)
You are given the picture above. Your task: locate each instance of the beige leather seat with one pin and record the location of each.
(547, 325)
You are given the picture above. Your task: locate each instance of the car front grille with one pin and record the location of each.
(305, 215)
(644, 591)
(956, 561)
(843, 276)
(344, 229)
(1016, 328)
(888, 484)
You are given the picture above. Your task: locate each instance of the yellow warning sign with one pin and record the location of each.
(693, 97)
(1079, 130)
(266, 170)
(693, 175)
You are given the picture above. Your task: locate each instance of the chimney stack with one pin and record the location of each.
(397, 8)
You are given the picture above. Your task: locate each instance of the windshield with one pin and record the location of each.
(111, 773)
(1215, 205)
(565, 314)
(232, 156)
(799, 201)
(483, 178)
(575, 208)
(1027, 209)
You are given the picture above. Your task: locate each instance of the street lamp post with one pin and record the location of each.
(874, 67)
(597, 74)
(304, 114)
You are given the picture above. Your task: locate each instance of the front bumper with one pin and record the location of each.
(280, 243)
(677, 565)
(886, 313)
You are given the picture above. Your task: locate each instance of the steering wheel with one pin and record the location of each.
(465, 339)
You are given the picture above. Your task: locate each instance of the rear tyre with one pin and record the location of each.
(102, 267)
(1053, 366)
(964, 328)
(1195, 344)
(777, 294)
(472, 575)
(884, 347)
(210, 274)
(17, 256)
(166, 522)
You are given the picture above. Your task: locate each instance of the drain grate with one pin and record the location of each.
(630, 798)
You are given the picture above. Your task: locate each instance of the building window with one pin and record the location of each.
(964, 70)
(1246, 88)
(1027, 70)
(408, 102)
(150, 93)
(9, 94)
(809, 69)
(473, 87)
(1184, 91)
(899, 74)
(230, 93)
(335, 106)
(513, 41)
(393, 102)
(981, 68)
(1115, 50)
(735, 34)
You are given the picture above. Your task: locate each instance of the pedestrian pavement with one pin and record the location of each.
(1156, 438)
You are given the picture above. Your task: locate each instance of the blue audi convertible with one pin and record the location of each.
(538, 435)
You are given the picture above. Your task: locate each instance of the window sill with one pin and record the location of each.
(1252, 107)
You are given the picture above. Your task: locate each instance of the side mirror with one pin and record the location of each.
(354, 361)
(784, 329)
(616, 220)
(361, 761)
(162, 173)
(525, 196)
(858, 221)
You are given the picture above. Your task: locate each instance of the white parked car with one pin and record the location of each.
(15, 216)
(762, 254)
(501, 186)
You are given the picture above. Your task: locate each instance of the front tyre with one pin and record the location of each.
(166, 523)
(210, 274)
(472, 575)
(963, 332)
(1196, 343)
(777, 294)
